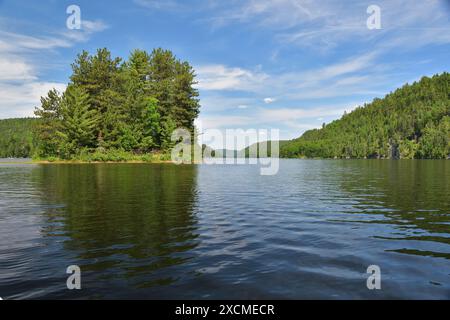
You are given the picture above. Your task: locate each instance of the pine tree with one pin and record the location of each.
(167, 128)
(79, 122)
(152, 126)
(50, 122)
(99, 75)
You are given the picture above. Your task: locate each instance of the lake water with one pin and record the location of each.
(160, 231)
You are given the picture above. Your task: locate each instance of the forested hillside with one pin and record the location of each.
(412, 122)
(16, 137)
(113, 106)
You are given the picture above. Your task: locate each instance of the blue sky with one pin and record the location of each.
(285, 64)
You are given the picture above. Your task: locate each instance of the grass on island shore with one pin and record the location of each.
(112, 156)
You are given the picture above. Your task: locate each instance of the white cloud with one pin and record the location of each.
(351, 65)
(292, 121)
(93, 26)
(20, 84)
(242, 106)
(290, 114)
(354, 75)
(19, 100)
(277, 117)
(20, 87)
(216, 101)
(20, 43)
(220, 77)
(14, 42)
(88, 28)
(15, 69)
(224, 122)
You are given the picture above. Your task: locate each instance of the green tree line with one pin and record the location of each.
(412, 122)
(133, 106)
(16, 137)
(113, 105)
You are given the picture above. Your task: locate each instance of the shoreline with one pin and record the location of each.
(86, 162)
(157, 161)
(97, 162)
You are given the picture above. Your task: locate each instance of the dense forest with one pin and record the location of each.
(112, 106)
(16, 137)
(412, 122)
(113, 109)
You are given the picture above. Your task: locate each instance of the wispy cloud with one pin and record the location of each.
(19, 100)
(15, 69)
(296, 118)
(280, 14)
(338, 75)
(269, 100)
(15, 42)
(88, 28)
(220, 77)
(328, 24)
(20, 83)
(215, 102)
(296, 114)
(20, 43)
(291, 121)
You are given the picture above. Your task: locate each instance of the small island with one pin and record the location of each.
(111, 111)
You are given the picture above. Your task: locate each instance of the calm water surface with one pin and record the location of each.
(161, 231)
